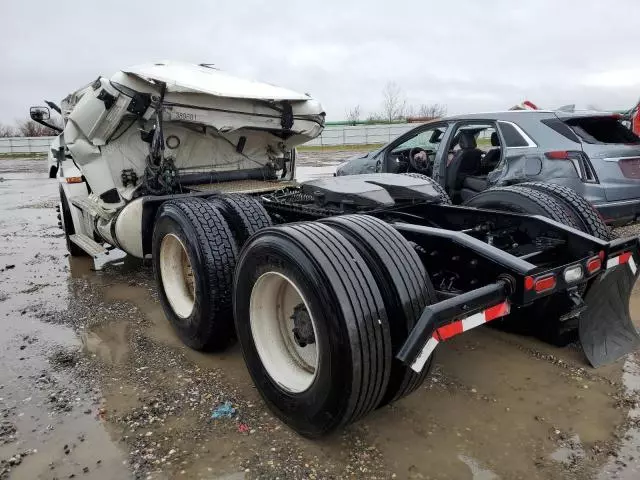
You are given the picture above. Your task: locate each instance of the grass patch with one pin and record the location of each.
(338, 148)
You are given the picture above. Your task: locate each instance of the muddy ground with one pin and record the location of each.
(95, 385)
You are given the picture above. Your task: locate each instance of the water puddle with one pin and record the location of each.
(631, 373)
(570, 452)
(625, 464)
(477, 472)
(108, 342)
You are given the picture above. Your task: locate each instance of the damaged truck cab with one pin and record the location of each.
(212, 128)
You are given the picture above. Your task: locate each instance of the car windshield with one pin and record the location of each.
(427, 140)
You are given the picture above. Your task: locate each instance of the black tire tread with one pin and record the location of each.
(356, 300)
(219, 258)
(357, 280)
(245, 215)
(386, 248)
(444, 197)
(592, 222)
(542, 199)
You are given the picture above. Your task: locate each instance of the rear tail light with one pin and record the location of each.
(544, 284)
(573, 274)
(630, 167)
(594, 264)
(557, 155)
(581, 163)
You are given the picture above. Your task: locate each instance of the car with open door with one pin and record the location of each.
(592, 153)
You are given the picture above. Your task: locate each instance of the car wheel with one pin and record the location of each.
(404, 285)
(312, 327)
(194, 257)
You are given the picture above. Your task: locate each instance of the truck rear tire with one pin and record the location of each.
(404, 284)
(577, 206)
(445, 199)
(312, 326)
(522, 199)
(194, 257)
(67, 226)
(244, 214)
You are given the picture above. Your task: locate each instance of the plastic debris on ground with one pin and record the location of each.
(224, 410)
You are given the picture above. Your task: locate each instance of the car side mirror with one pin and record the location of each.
(39, 113)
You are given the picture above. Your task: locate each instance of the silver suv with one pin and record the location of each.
(591, 152)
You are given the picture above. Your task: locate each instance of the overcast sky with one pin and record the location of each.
(469, 55)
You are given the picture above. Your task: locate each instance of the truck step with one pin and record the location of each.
(87, 244)
(85, 205)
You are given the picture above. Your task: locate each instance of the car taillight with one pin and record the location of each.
(630, 167)
(580, 162)
(557, 155)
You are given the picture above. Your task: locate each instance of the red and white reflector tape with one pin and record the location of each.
(457, 327)
(626, 257)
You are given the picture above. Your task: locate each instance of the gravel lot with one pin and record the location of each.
(95, 385)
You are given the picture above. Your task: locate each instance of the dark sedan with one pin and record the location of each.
(591, 152)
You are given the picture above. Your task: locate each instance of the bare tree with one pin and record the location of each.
(432, 110)
(393, 102)
(375, 118)
(7, 131)
(410, 111)
(353, 115)
(29, 128)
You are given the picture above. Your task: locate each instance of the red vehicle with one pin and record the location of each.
(634, 118)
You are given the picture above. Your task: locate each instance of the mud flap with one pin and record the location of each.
(605, 328)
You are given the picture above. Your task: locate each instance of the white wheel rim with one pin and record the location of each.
(273, 300)
(177, 276)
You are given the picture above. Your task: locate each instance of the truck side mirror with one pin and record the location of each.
(39, 113)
